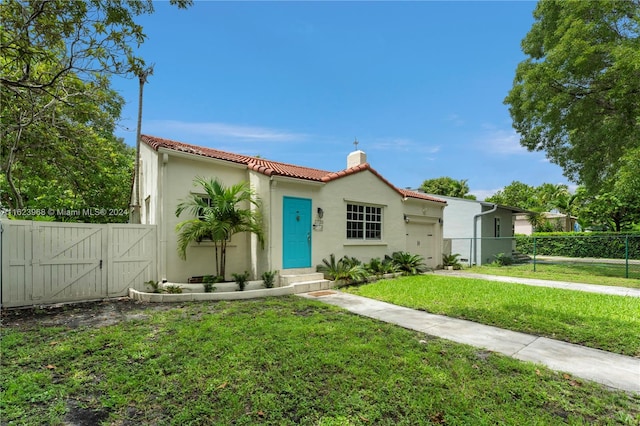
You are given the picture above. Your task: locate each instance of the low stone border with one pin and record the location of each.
(228, 286)
(195, 292)
(303, 287)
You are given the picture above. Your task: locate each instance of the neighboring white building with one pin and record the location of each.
(559, 222)
(305, 211)
(478, 230)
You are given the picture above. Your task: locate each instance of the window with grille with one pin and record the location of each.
(364, 222)
(207, 201)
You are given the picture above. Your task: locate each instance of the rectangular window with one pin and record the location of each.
(207, 201)
(364, 222)
(496, 225)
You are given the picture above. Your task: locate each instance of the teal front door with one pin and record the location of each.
(296, 230)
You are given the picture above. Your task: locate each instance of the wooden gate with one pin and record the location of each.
(132, 257)
(51, 262)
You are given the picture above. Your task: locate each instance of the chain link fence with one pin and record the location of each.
(613, 255)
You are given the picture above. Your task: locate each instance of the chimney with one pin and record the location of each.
(356, 158)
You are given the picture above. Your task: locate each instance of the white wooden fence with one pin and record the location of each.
(53, 262)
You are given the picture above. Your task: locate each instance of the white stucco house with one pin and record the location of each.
(478, 230)
(308, 213)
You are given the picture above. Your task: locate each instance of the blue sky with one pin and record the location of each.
(419, 84)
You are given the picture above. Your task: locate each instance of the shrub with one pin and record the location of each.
(208, 282)
(502, 260)
(351, 261)
(241, 279)
(155, 286)
(380, 267)
(173, 289)
(348, 269)
(451, 260)
(269, 278)
(408, 264)
(580, 244)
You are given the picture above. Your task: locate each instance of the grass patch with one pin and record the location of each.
(611, 323)
(280, 362)
(588, 273)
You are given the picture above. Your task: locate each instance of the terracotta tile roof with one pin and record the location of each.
(157, 143)
(420, 195)
(274, 168)
(260, 165)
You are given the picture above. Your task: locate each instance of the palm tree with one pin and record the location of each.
(224, 211)
(536, 219)
(558, 197)
(566, 203)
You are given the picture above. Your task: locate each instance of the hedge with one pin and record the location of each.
(580, 244)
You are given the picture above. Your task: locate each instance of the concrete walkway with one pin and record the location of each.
(613, 370)
(591, 288)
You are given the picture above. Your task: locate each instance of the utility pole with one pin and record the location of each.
(135, 202)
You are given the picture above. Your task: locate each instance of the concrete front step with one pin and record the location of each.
(519, 257)
(286, 280)
(307, 286)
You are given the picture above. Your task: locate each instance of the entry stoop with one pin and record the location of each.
(306, 282)
(286, 280)
(519, 257)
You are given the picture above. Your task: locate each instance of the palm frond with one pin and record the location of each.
(227, 211)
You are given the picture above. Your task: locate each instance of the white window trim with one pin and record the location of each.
(364, 222)
(208, 241)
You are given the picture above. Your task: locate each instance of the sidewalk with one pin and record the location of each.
(591, 288)
(613, 370)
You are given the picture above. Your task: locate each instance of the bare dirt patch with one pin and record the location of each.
(90, 314)
(77, 415)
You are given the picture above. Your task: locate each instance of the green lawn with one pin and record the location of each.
(601, 274)
(284, 361)
(611, 323)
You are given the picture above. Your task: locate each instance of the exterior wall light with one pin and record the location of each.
(406, 218)
(320, 212)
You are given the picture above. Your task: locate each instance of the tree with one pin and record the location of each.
(516, 194)
(566, 203)
(65, 155)
(68, 180)
(627, 178)
(56, 59)
(224, 212)
(538, 200)
(537, 220)
(548, 194)
(448, 187)
(617, 204)
(577, 95)
(606, 211)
